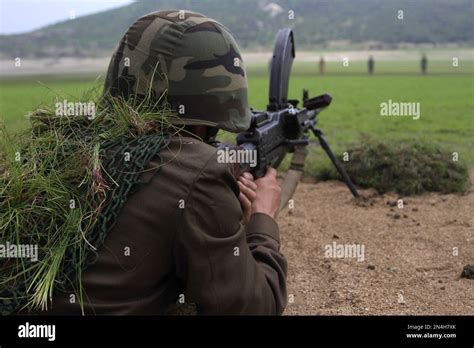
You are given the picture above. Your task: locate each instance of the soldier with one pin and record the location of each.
(424, 64)
(370, 65)
(321, 66)
(194, 232)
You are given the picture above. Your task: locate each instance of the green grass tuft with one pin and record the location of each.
(43, 169)
(406, 168)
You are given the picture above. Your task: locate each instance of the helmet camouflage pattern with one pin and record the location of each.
(193, 58)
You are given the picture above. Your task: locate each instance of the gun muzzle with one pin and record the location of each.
(319, 102)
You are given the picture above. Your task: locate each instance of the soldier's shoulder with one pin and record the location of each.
(188, 154)
(200, 158)
(188, 147)
(180, 164)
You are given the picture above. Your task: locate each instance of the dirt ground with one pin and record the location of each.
(408, 267)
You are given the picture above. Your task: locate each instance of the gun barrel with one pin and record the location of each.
(319, 102)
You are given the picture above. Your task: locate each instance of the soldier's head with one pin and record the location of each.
(192, 60)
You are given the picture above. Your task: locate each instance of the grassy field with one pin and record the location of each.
(19, 97)
(446, 98)
(446, 104)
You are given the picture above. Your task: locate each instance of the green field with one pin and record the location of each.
(446, 104)
(446, 100)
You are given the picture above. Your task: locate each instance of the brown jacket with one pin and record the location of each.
(180, 233)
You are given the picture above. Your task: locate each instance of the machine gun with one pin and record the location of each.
(283, 128)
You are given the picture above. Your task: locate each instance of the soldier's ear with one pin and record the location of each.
(201, 132)
(211, 133)
(205, 132)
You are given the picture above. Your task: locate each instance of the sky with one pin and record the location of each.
(19, 16)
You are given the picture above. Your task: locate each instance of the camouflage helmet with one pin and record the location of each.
(193, 58)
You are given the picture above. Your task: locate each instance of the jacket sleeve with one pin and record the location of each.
(225, 267)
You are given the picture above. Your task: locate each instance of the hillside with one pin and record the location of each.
(254, 23)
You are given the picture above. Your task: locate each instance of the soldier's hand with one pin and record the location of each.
(268, 194)
(247, 195)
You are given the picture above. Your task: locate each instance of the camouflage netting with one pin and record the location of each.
(94, 164)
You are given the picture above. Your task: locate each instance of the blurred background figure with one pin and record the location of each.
(370, 65)
(321, 66)
(424, 64)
